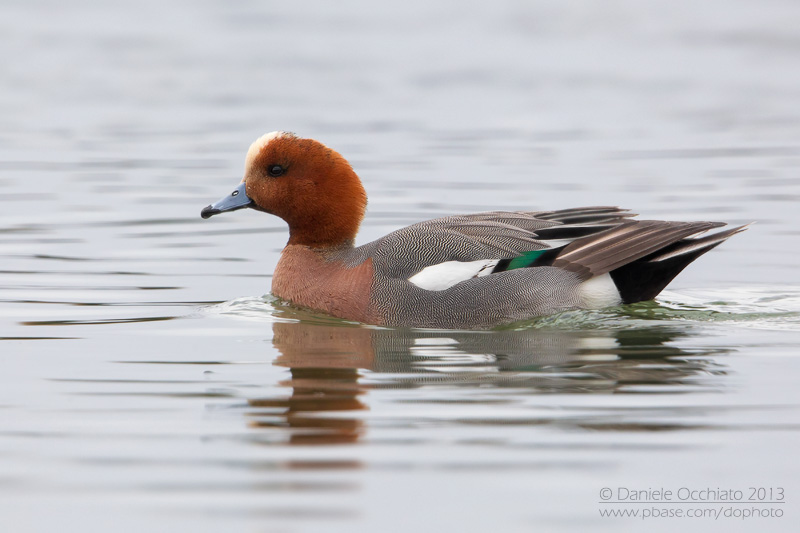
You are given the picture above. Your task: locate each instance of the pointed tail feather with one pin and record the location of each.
(626, 243)
(688, 245)
(645, 278)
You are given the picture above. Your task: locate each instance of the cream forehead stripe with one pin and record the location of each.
(260, 143)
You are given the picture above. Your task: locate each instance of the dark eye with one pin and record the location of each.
(275, 170)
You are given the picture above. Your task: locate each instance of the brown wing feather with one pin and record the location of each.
(603, 252)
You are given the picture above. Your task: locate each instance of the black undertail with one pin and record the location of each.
(641, 256)
(645, 278)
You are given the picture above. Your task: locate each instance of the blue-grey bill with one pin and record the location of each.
(238, 199)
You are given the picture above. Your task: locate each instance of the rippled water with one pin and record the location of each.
(149, 382)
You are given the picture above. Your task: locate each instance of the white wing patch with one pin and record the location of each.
(445, 275)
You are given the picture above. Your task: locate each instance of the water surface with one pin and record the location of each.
(151, 383)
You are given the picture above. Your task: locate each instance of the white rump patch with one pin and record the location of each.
(599, 292)
(445, 275)
(260, 143)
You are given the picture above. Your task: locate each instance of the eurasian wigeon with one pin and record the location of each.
(463, 271)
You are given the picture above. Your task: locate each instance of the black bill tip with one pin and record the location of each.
(238, 199)
(209, 211)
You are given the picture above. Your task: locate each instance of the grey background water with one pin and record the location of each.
(149, 384)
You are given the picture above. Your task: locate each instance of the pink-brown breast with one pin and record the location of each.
(306, 278)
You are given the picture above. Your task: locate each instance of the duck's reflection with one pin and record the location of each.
(316, 391)
(333, 364)
(324, 362)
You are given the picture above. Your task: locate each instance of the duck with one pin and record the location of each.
(469, 271)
